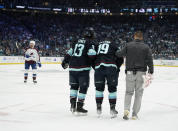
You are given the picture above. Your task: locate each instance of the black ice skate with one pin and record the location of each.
(99, 109)
(80, 110)
(73, 104)
(113, 111)
(34, 81)
(25, 81)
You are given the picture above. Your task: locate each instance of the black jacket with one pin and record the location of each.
(78, 57)
(138, 56)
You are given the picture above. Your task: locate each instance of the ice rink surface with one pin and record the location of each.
(45, 106)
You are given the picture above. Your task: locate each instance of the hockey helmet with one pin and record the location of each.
(32, 42)
(89, 33)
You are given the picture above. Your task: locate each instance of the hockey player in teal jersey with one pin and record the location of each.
(107, 68)
(79, 59)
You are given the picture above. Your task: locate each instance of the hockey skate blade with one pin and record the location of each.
(99, 114)
(113, 116)
(72, 110)
(34, 82)
(81, 114)
(73, 113)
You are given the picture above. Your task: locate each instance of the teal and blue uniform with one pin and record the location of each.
(79, 58)
(107, 67)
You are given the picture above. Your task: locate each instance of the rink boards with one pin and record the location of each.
(8, 60)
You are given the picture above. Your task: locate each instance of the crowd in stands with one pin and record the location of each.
(54, 34)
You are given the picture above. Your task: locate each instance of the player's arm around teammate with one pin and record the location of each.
(78, 59)
(106, 69)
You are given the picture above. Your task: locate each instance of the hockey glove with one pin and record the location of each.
(147, 80)
(93, 66)
(118, 70)
(27, 56)
(39, 64)
(64, 65)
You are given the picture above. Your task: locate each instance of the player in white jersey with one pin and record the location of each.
(31, 59)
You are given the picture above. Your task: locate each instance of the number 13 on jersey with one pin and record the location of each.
(78, 50)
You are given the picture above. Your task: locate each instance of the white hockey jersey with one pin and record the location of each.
(31, 54)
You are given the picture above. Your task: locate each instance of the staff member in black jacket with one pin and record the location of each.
(138, 58)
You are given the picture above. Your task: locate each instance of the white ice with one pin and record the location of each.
(45, 106)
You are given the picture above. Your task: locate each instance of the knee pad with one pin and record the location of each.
(74, 87)
(83, 89)
(100, 86)
(113, 83)
(112, 89)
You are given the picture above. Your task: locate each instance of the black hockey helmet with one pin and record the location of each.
(89, 33)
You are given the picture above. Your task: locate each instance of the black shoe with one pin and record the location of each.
(34, 81)
(25, 81)
(113, 111)
(125, 117)
(80, 108)
(99, 108)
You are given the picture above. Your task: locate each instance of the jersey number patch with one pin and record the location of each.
(78, 50)
(103, 48)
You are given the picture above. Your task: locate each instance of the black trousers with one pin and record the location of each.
(79, 80)
(108, 74)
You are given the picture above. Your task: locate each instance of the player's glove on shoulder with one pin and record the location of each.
(64, 65)
(27, 56)
(39, 64)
